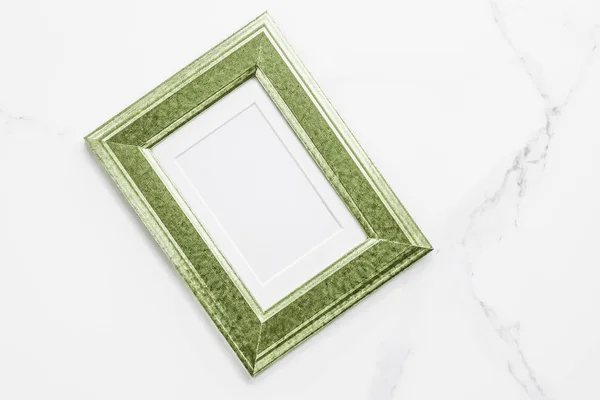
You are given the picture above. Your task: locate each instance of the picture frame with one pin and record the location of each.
(124, 146)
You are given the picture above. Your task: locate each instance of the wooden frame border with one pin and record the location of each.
(123, 146)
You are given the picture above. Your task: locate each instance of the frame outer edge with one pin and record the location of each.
(156, 231)
(390, 200)
(269, 357)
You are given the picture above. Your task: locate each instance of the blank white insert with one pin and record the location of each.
(270, 228)
(258, 193)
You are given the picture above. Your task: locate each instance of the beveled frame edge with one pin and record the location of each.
(418, 246)
(393, 204)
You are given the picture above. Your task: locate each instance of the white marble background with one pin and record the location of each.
(484, 116)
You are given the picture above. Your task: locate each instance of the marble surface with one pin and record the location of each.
(493, 104)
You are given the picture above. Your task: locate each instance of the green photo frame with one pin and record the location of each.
(124, 147)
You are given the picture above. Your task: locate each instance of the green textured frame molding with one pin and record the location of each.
(123, 146)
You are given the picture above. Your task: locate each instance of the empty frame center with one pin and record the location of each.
(262, 199)
(257, 192)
